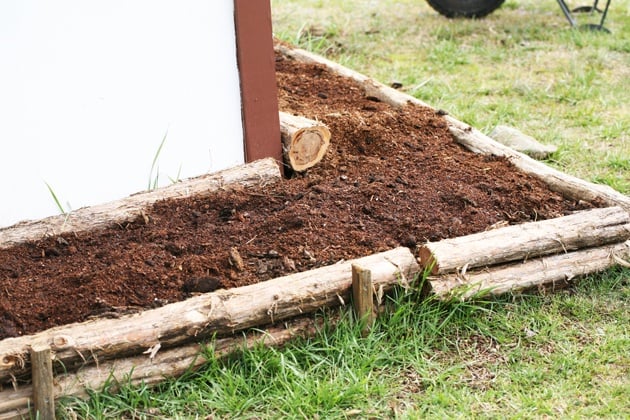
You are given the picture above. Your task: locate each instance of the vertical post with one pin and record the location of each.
(362, 297)
(257, 72)
(42, 376)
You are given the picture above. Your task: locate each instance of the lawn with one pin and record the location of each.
(538, 355)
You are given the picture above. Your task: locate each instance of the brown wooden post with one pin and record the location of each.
(42, 376)
(362, 297)
(257, 72)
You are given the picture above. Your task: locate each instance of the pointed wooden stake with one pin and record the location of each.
(362, 297)
(42, 375)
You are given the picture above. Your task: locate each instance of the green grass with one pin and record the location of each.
(539, 355)
(561, 354)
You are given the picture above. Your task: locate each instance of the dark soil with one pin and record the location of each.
(391, 177)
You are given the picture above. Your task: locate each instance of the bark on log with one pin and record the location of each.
(260, 172)
(519, 276)
(304, 141)
(472, 139)
(580, 230)
(165, 364)
(222, 313)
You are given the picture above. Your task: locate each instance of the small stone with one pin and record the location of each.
(513, 138)
(410, 241)
(174, 249)
(262, 268)
(236, 260)
(309, 255)
(288, 264)
(201, 285)
(52, 252)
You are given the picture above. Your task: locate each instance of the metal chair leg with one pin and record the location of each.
(591, 26)
(567, 12)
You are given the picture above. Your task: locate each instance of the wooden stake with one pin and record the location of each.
(362, 297)
(42, 375)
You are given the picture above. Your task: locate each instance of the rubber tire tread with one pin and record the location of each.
(465, 8)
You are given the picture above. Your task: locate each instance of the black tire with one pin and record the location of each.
(465, 8)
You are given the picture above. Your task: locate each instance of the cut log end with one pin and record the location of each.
(308, 147)
(304, 141)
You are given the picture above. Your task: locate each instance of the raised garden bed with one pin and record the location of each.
(395, 177)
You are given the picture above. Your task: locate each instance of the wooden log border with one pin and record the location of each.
(567, 185)
(148, 351)
(151, 369)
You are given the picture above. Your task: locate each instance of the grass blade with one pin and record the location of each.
(153, 181)
(62, 210)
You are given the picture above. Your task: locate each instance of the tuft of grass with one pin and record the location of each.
(176, 179)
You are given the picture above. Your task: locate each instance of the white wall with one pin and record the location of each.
(88, 89)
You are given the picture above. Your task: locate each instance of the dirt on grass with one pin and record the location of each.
(391, 177)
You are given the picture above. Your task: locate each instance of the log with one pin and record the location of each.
(260, 172)
(304, 141)
(471, 138)
(520, 276)
(580, 230)
(219, 313)
(149, 371)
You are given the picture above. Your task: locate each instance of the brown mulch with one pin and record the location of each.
(391, 177)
